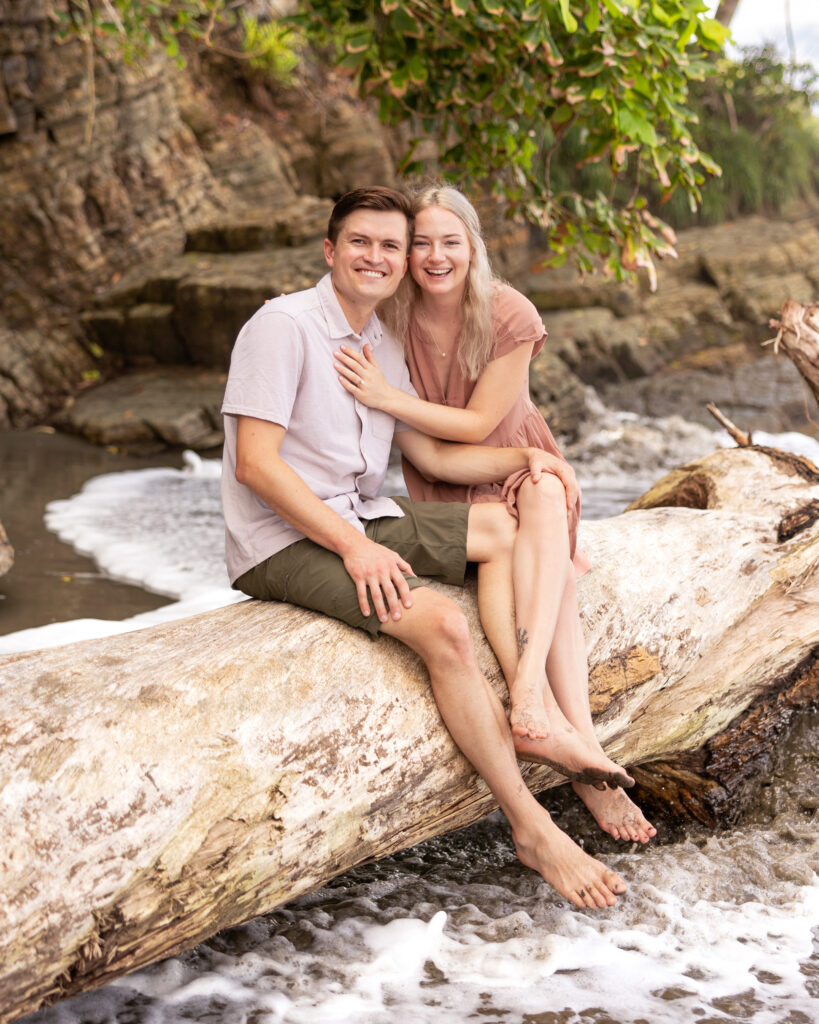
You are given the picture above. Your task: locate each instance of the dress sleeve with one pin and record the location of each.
(516, 321)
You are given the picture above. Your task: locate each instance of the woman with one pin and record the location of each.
(469, 339)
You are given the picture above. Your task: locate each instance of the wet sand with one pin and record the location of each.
(49, 581)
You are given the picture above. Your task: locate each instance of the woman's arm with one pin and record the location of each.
(479, 464)
(496, 390)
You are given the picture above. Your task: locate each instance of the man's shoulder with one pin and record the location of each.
(292, 306)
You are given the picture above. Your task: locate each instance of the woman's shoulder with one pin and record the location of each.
(515, 318)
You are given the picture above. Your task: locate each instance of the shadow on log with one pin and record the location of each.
(159, 786)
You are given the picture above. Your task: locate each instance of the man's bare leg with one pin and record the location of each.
(437, 630)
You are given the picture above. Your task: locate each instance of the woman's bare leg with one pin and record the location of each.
(561, 696)
(549, 738)
(540, 565)
(567, 670)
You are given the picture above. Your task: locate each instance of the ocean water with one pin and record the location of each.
(715, 927)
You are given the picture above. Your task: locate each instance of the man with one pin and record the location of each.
(302, 470)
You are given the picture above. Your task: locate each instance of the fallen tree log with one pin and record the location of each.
(798, 337)
(159, 786)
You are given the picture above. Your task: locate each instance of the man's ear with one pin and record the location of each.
(329, 251)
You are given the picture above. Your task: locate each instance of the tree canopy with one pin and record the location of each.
(496, 85)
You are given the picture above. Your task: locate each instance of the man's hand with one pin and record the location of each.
(541, 462)
(376, 568)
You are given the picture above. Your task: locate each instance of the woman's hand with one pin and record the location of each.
(541, 462)
(361, 375)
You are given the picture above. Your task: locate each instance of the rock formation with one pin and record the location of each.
(105, 166)
(162, 785)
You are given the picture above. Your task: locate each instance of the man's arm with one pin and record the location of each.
(481, 464)
(372, 566)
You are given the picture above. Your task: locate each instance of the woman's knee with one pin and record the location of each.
(547, 495)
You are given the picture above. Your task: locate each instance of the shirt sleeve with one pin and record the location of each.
(265, 368)
(516, 322)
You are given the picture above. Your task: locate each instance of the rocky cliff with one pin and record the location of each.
(103, 166)
(148, 211)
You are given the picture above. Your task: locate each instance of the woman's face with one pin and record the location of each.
(440, 252)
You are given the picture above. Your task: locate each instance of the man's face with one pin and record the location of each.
(368, 260)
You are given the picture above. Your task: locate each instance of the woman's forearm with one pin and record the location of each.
(444, 421)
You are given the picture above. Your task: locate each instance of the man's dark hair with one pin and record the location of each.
(370, 197)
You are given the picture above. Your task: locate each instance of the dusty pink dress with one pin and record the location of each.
(516, 322)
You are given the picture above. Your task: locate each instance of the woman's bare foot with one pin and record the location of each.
(527, 716)
(573, 873)
(570, 753)
(615, 813)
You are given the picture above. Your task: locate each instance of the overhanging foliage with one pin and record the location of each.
(496, 85)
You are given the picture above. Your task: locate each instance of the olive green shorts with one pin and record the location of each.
(431, 536)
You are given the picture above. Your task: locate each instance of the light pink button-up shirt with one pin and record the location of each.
(281, 370)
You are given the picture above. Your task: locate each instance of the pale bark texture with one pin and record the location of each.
(798, 337)
(158, 786)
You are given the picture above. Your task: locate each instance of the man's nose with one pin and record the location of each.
(373, 253)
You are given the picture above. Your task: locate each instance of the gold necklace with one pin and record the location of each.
(428, 322)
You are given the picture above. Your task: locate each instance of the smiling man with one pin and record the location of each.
(305, 522)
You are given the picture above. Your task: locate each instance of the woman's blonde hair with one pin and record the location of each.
(477, 339)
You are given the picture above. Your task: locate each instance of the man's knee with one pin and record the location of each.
(435, 627)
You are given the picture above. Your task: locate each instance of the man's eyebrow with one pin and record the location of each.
(369, 238)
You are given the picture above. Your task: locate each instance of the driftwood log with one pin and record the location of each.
(158, 786)
(798, 337)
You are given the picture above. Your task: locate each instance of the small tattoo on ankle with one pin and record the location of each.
(523, 640)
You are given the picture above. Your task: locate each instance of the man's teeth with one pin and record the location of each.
(372, 273)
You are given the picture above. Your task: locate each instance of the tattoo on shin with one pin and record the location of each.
(523, 640)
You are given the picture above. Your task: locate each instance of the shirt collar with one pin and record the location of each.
(337, 324)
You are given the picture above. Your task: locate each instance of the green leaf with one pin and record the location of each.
(358, 42)
(460, 8)
(404, 24)
(569, 19)
(713, 31)
(418, 72)
(592, 17)
(632, 124)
